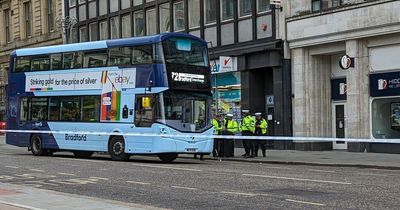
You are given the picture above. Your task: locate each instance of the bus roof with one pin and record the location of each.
(133, 41)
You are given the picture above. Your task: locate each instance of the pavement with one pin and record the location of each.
(321, 158)
(19, 197)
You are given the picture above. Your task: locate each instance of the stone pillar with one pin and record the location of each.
(357, 109)
(311, 102)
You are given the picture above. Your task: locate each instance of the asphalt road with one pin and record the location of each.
(210, 184)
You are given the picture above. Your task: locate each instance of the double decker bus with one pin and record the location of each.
(145, 85)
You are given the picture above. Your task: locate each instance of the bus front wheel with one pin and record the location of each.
(116, 148)
(37, 146)
(167, 157)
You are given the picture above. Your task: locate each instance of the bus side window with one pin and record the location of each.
(41, 63)
(120, 56)
(95, 59)
(23, 64)
(144, 117)
(73, 60)
(142, 54)
(39, 109)
(56, 61)
(24, 109)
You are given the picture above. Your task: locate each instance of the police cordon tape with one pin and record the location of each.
(201, 136)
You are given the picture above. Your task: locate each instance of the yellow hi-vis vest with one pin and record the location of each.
(217, 126)
(248, 123)
(231, 126)
(263, 126)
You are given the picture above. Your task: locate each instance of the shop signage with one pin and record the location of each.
(224, 64)
(270, 100)
(386, 84)
(346, 62)
(338, 89)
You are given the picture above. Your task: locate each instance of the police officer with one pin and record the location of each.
(217, 124)
(247, 128)
(260, 130)
(230, 127)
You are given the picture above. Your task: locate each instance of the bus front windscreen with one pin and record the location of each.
(186, 112)
(185, 51)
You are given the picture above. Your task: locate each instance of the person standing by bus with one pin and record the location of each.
(260, 130)
(247, 128)
(217, 124)
(230, 127)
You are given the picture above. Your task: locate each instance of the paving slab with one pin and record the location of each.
(18, 197)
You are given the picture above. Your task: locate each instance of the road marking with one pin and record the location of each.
(19, 205)
(297, 179)
(168, 167)
(186, 188)
(239, 193)
(141, 183)
(324, 171)
(142, 165)
(305, 202)
(14, 167)
(67, 174)
(37, 170)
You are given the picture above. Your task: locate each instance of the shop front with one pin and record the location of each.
(385, 110)
(226, 87)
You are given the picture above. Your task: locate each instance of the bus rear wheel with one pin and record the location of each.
(83, 154)
(167, 157)
(116, 149)
(37, 146)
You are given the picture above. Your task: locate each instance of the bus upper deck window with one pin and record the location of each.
(23, 64)
(41, 63)
(142, 54)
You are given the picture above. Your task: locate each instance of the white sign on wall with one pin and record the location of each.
(224, 64)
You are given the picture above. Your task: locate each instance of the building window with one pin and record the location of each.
(210, 11)
(245, 7)
(194, 13)
(102, 7)
(82, 34)
(151, 26)
(103, 30)
(93, 32)
(50, 15)
(125, 4)
(126, 26)
(164, 17)
(336, 3)
(139, 24)
(92, 9)
(27, 19)
(262, 6)
(318, 5)
(179, 16)
(137, 2)
(7, 25)
(227, 9)
(113, 6)
(386, 118)
(72, 3)
(82, 1)
(74, 35)
(114, 27)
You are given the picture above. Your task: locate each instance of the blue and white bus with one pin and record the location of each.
(149, 85)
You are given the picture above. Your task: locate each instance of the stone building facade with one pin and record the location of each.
(26, 23)
(361, 102)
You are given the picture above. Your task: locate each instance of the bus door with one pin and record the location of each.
(143, 120)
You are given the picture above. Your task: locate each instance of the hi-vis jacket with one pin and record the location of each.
(217, 127)
(231, 126)
(263, 126)
(248, 124)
